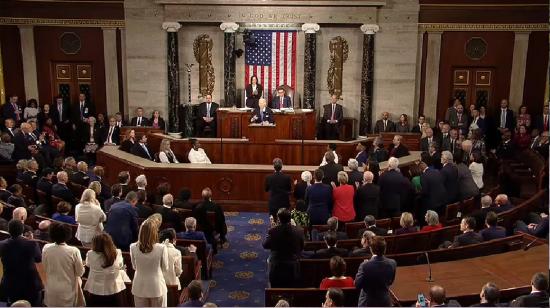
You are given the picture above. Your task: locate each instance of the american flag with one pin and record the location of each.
(272, 59)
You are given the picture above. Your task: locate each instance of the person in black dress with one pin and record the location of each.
(254, 92)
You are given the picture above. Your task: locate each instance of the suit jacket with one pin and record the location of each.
(362, 158)
(201, 214)
(449, 172)
(6, 194)
(259, 90)
(381, 154)
(275, 102)
(65, 114)
(379, 127)
(44, 185)
(144, 210)
(338, 113)
(399, 151)
(8, 111)
(424, 144)
(416, 128)
(279, 186)
(319, 201)
(467, 238)
(29, 178)
(392, 188)
(21, 143)
(535, 299)
(63, 192)
(138, 150)
(374, 279)
(170, 218)
(20, 279)
(504, 207)
(86, 112)
(80, 178)
(366, 201)
(355, 176)
(286, 243)
(493, 233)
(144, 121)
(267, 115)
(122, 224)
(11, 132)
(509, 124)
(433, 194)
(331, 172)
(327, 253)
(462, 124)
(374, 229)
(213, 111)
(467, 188)
(192, 235)
(109, 202)
(538, 122)
(115, 136)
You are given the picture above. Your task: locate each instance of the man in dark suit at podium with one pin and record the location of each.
(281, 100)
(207, 117)
(262, 114)
(333, 116)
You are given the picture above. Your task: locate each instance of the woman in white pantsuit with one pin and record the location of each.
(89, 216)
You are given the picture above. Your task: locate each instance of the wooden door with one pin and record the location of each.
(473, 86)
(71, 79)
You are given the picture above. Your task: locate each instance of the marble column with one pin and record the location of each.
(367, 78)
(310, 58)
(519, 62)
(29, 63)
(229, 68)
(431, 87)
(174, 81)
(111, 70)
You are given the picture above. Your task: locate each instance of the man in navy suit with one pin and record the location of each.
(141, 149)
(12, 110)
(492, 231)
(279, 186)
(61, 190)
(281, 100)
(333, 116)
(207, 116)
(538, 296)
(83, 109)
(433, 195)
(19, 257)
(191, 233)
(111, 133)
(362, 156)
(505, 117)
(503, 203)
(375, 276)
(468, 236)
(393, 186)
(262, 114)
(122, 222)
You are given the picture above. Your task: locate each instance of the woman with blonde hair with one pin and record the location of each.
(129, 141)
(96, 187)
(149, 260)
(165, 153)
(89, 216)
(407, 224)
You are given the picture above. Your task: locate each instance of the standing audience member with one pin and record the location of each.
(467, 187)
(279, 186)
(476, 169)
(367, 198)
(122, 222)
(170, 218)
(90, 218)
(393, 186)
(331, 169)
(201, 213)
(300, 187)
(338, 278)
(342, 199)
(318, 199)
(355, 177)
(106, 276)
(299, 214)
(449, 172)
(64, 268)
(149, 260)
(174, 269)
(331, 147)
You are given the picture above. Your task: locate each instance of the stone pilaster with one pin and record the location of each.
(310, 58)
(111, 70)
(29, 63)
(433, 57)
(519, 62)
(229, 68)
(367, 78)
(173, 78)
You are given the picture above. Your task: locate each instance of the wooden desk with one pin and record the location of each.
(507, 270)
(294, 125)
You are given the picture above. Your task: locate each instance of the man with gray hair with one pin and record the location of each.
(486, 207)
(364, 251)
(449, 172)
(393, 188)
(190, 232)
(355, 177)
(61, 190)
(503, 203)
(367, 197)
(141, 182)
(170, 218)
(279, 186)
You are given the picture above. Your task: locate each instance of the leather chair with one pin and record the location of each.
(289, 92)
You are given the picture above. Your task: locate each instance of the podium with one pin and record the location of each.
(261, 132)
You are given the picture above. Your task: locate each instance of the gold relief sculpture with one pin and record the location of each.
(339, 49)
(202, 48)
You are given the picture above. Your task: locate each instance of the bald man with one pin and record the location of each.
(384, 125)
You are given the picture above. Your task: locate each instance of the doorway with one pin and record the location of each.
(71, 79)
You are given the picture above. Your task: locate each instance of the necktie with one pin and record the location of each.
(332, 114)
(282, 106)
(82, 110)
(453, 146)
(262, 115)
(60, 109)
(139, 121)
(109, 138)
(208, 110)
(503, 118)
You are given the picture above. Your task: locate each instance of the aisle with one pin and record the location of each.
(239, 276)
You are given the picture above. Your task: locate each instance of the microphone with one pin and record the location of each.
(531, 244)
(429, 279)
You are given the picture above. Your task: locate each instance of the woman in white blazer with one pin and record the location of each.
(172, 274)
(476, 168)
(105, 279)
(64, 269)
(89, 216)
(149, 260)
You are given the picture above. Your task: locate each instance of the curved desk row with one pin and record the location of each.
(237, 186)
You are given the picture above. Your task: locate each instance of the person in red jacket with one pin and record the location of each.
(337, 280)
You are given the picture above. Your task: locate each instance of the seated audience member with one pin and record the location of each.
(30, 176)
(141, 182)
(364, 251)
(62, 214)
(42, 233)
(173, 269)
(129, 141)
(503, 203)
(96, 187)
(342, 199)
(286, 243)
(299, 214)
(318, 199)
(407, 224)
(111, 133)
(367, 197)
(355, 177)
(301, 186)
(331, 169)
(384, 125)
(182, 202)
(337, 280)
(280, 303)
(201, 210)
(116, 192)
(362, 155)
(522, 139)
(105, 278)
(437, 298)
(45, 182)
(19, 213)
(141, 149)
(6, 147)
(61, 190)
(122, 222)
(98, 175)
(432, 221)
(17, 198)
(90, 218)
(20, 280)
(492, 231)
(331, 147)
(81, 177)
(157, 121)
(4, 192)
(64, 269)
(397, 149)
(538, 229)
(143, 207)
(194, 293)
(124, 181)
(489, 296)
(170, 217)
(332, 224)
(190, 232)
(486, 207)
(196, 154)
(334, 298)
(331, 250)
(166, 155)
(162, 189)
(370, 225)
(139, 119)
(539, 293)
(468, 236)
(69, 166)
(375, 276)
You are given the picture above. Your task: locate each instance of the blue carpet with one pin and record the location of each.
(239, 275)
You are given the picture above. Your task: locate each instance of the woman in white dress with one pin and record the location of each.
(166, 155)
(63, 268)
(89, 216)
(149, 260)
(172, 275)
(476, 168)
(106, 276)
